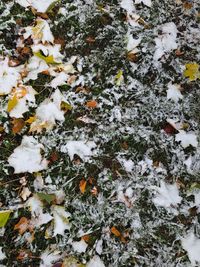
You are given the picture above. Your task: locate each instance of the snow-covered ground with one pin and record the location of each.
(99, 133)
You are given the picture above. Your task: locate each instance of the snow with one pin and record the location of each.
(34, 67)
(95, 262)
(41, 32)
(27, 157)
(132, 43)
(23, 104)
(61, 221)
(166, 41)
(39, 5)
(8, 77)
(191, 244)
(48, 112)
(2, 255)
(59, 80)
(186, 139)
(128, 5)
(173, 92)
(79, 246)
(48, 258)
(81, 148)
(49, 50)
(167, 195)
(145, 2)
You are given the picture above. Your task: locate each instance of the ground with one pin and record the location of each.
(99, 132)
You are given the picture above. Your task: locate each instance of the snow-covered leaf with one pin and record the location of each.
(191, 244)
(27, 157)
(186, 139)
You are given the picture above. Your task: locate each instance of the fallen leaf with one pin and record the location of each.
(31, 119)
(46, 197)
(22, 225)
(48, 59)
(4, 216)
(115, 232)
(91, 104)
(18, 125)
(192, 71)
(82, 185)
(12, 103)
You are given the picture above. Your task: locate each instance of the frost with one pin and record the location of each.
(79, 246)
(191, 244)
(167, 195)
(27, 157)
(8, 77)
(186, 139)
(173, 92)
(95, 261)
(166, 41)
(80, 148)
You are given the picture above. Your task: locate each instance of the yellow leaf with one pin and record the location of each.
(192, 71)
(48, 59)
(12, 103)
(119, 77)
(31, 119)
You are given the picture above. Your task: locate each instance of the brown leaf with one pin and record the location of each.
(82, 185)
(91, 104)
(132, 57)
(22, 225)
(115, 232)
(42, 15)
(13, 62)
(90, 40)
(18, 125)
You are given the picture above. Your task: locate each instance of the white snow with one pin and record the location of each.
(39, 5)
(80, 148)
(48, 112)
(191, 244)
(132, 43)
(24, 102)
(145, 2)
(59, 80)
(49, 50)
(79, 246)
(167, 195)
(2, 255)
(34, 67)
(61, 221)
(186, 139)
(95, 262)
(166, 41)
(128, 5)
(8, 77)
(27, 156)
(173, 92)
(48, 258)
(41, 32)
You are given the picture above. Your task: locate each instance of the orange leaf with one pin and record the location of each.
(82, 185)
(91, 104)
(18, 124)
(22, 225)
(115, 232)
(85, 238)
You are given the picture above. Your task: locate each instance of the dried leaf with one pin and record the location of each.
(22, 225)
(82, 185)
(4, 216)
(18, 125)
(115, 232)
(91, 104)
